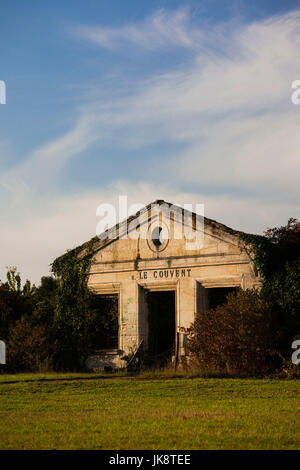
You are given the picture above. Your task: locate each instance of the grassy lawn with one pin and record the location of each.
(85, 412)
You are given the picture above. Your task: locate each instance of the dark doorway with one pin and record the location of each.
(217, 295)
(161, 322)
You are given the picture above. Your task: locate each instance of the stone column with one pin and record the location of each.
(129, 316)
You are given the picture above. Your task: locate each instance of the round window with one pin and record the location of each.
(157, 236)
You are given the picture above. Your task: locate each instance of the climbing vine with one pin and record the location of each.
(73, 313)
(83, 321)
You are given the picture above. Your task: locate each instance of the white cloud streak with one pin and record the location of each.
(228, 107)
(161, 30)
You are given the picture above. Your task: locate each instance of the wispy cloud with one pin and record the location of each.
(212, 99)
(227, 105)
(230, 105)
(161, 30)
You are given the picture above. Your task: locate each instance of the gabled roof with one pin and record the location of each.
(102, 240)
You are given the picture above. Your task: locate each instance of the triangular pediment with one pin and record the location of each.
(125, 241)
(173, 219)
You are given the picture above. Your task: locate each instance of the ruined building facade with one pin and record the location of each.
(178, 277)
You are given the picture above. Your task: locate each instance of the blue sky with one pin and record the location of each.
(183, 100)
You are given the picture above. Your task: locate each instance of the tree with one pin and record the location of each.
(15, 301)
(276, 256)
(44, 302)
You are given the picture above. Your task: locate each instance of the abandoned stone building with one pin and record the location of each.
(159, 264)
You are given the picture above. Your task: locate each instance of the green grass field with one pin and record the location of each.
(79, 411)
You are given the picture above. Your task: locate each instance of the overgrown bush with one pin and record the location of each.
(238, 338)
(27, 348)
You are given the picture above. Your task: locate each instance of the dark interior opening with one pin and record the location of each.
(157, 236)
(106, 322)
(217, 295)
(161, 321)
